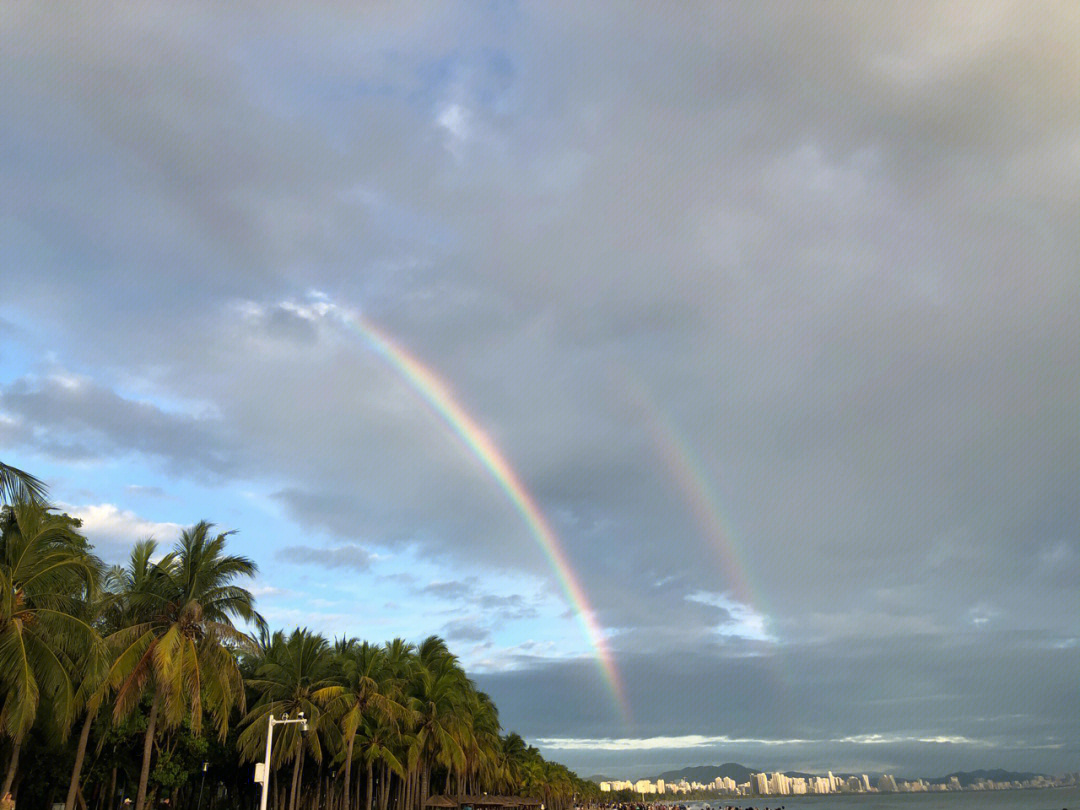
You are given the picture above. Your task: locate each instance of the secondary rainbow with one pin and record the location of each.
(694, 484)
(440, 398)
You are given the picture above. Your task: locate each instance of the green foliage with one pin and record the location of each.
(179, 761)
(149, 652)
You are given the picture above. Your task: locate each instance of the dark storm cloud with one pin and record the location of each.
(904, 694)
(831, 250)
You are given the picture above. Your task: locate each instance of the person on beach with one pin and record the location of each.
(7, 803)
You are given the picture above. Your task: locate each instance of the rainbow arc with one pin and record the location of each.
(439, 397)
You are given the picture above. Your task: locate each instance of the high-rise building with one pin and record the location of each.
(886, 784)
(779, 785)
(760, 784)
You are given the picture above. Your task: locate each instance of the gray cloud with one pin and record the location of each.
(898, 688)
(73, 418)
(472, 594)
(463, 630)
(145, 491)
(764, 302)
(354, 558)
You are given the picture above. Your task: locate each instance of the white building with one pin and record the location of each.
(760, 784)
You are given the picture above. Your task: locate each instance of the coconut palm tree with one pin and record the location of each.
(104, 613)
(46, 569)
(437, 697)
(482, 744)
(364, 689)
(180, 644)
(511, 757)
(292, 676)
(17, 485)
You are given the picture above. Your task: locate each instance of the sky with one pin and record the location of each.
(707, 375)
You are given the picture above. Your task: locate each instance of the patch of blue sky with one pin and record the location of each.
(15, 359)
(480, 76)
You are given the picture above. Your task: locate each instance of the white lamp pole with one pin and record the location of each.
(264, 777)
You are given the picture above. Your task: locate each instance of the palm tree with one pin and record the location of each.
(511, 757)
(17, 485)
(482, 743)
(45, 570)
(437, 696)
(380, 742)
(291, 677)
(91, 668)
(181, 639)
(363, 690)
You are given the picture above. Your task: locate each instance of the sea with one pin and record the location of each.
(1042, 799)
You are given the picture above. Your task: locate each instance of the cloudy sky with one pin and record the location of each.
(769, 313)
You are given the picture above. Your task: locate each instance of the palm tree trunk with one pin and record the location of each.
(348, 772)
(112, 789)
(384, 787)
(13, 765)
(370, 785)
(80, 754)
(300, 778)
(295, 778)
(148, 746)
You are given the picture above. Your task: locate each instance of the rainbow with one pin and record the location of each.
(440, 398)
(692, 481)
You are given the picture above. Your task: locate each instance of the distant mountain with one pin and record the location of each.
(706, 773)
(966, 778)
(597, 778)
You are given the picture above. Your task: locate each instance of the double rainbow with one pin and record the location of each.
(440, 398)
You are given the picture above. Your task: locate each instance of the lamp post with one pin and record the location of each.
(263, 774)
(198, 804)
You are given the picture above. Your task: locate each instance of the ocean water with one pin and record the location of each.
(1046, 799)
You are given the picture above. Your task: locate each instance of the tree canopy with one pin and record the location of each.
(156, 680)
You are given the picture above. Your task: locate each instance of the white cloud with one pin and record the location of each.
(742, 620)
(263, 590)
(112, 529)
(702, 741)
(456, 121)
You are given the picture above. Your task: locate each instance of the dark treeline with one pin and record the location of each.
(140, 682)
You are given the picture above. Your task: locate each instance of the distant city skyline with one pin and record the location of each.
(779, 783)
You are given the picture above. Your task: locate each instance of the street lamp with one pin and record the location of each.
(198, 804)
(262, 769)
